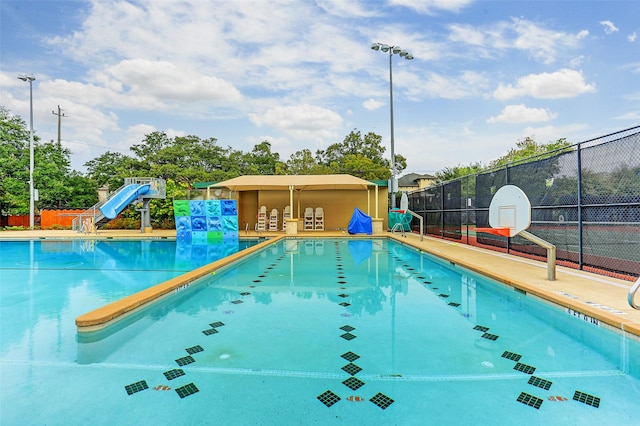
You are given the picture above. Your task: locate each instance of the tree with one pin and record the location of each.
(106, 169)
(51, 175)
(262, 161)
(301, 163)
(528, 149)
(14, 167)
(455, 172)
(361, 156)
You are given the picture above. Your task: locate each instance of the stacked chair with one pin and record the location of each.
(273, 220)
(261, 225)
(286, 214)
(308, 219)
(318, 222)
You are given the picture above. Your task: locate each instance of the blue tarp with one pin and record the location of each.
(360, 223)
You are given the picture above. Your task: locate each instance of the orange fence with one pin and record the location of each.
(64, 218)
(22, 220)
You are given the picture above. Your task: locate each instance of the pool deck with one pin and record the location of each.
(584, 294)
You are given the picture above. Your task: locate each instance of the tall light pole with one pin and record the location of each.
(392, 50)
(30, 79)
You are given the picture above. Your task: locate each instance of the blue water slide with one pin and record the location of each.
(122, 198)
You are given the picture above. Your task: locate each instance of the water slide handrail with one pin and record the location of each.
(92, 212)
(632, 293)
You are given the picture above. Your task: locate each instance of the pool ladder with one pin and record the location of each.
(398, 227)
(632, 293)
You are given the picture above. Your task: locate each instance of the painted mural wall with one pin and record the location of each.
(202, 222)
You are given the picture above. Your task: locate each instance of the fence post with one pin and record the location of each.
(580, 242)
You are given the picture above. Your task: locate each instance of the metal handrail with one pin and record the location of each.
(632, 293)
(398, 226)
(77, 223)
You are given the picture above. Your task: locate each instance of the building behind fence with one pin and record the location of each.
(585, 199)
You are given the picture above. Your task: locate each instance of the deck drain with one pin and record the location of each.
(257, 281)
(454, 304)
(328, 398)
(341, 277)
(352, 369)
(342, 282)
(530, 400)
(235, 302)
(444, 296)
(490, 336)
(481, 328)
(136, 387)
(524, 368)
(347, 328)
(585, 398)
(185, 360)
(245, 293)
(194, 349)
(348, 336)
(216, 324)
(210, 331)
(353, 383)
(186, 390)
(350, 356)
(427, 282)
(512, 356)
(343, 295)
(345, 304)
(173, 374)
(541, 383)
(381, 400)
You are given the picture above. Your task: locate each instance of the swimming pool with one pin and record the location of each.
(329, 331)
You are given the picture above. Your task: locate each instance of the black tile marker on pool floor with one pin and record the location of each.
(136, 387)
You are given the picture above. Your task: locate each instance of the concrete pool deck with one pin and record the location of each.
(584, 294)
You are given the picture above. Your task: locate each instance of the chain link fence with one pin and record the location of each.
(585, 200)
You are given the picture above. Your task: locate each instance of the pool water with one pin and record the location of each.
(324, 331)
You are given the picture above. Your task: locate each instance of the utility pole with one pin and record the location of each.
(60, 114)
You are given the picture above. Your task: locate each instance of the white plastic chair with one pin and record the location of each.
(286, 214)
(318, 223)
(308, 219)
(273, 220)
(262, 219)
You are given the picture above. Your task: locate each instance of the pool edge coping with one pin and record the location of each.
(106, 315)
(610, 319)
(110, 313)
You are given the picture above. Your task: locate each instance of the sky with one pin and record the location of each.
(302, 74)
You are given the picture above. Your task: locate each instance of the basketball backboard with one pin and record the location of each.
(510, 210)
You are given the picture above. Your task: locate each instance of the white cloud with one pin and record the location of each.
(522, 114)
(427, 7)
(633, 115)
(609, 28)
(371, 104)
(305, 122)
(564, 83)
(166, 81)
(542, 44)
(343, 8)
(632, 37)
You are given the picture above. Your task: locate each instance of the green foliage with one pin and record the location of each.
(358, 155)
(529, 150)
(14, 167)
(450, 173)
